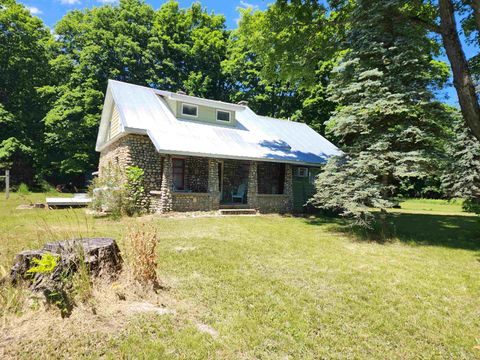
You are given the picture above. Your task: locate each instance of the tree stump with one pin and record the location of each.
(101, 257)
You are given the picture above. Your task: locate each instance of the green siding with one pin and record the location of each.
(205, 113)
(303, 190)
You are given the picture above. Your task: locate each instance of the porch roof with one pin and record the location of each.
(144, 110)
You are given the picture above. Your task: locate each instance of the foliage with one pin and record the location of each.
(46, 264)
(135, 191)
(279, 60)
(25, 51)
(81, 282)
(170, 48)
(119, 192)
(462, 176)
(23, 189)
(386, 119)
(107, 192)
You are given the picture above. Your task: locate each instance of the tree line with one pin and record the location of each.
(363, 73)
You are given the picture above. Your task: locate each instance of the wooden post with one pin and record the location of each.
(7, 184)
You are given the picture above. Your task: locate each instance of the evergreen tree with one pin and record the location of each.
(462, 176)
(386, 119)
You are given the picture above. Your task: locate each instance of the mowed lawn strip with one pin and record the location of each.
(273, 286)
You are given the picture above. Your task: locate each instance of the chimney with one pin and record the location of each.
(243, 102)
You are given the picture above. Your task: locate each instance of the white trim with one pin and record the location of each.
(230, 113)
(232, 157)
(189, 115)
(200, 101)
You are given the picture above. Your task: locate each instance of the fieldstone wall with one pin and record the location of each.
(134, 150)
(213, 184)
(201, 176)
(196, 174)
(272, 203)
(165, 201)
(278, 203)
(252, 189)
(191, 201)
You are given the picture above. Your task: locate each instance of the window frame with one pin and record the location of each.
(299, 169)
(175, 188)
(224, 111)
(193, 105)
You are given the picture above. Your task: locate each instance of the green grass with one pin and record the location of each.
(432, 206)
(282, 287)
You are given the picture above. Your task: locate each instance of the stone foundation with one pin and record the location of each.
(273, 203)
(201, 178)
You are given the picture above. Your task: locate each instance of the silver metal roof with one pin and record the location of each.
(254, 137)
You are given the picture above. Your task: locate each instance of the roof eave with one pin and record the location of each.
(199, 101)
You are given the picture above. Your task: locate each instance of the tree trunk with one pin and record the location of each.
(462, 78)
(476, 12)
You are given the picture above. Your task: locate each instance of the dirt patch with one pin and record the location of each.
(207, 329)
(181, 249)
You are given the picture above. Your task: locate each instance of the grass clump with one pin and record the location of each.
(141, 244)
(23, 189)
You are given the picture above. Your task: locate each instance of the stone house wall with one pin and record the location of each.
(134, 150)
(201, 178)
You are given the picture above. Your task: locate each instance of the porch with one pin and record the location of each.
(204, 184)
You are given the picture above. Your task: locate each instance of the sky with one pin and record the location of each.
(50, 11)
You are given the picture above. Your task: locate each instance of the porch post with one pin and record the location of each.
(166, 201)
(213, 185)
(252, 190)
(288, 187)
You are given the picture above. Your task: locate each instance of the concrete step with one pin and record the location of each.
(234, 206)
(238, 212)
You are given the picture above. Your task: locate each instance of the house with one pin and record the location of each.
(200, 154)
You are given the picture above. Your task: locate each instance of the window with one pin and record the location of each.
(223, 115)
(301, 172)
(178, 174)
(270, 178)
(189, 110)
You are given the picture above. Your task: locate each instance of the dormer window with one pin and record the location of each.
(224, 116)
(190, 110)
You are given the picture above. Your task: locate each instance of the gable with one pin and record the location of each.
(114, 124)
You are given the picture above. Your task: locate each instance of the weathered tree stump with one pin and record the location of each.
(101, 257)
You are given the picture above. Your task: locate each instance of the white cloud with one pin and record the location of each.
(69, 2)
(248, 5)
(107, 1)
(34, 10)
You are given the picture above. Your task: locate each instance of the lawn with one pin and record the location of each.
(273, 287)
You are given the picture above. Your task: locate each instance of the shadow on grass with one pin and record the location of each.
(457, 232)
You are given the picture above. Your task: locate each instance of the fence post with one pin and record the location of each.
(7, 184)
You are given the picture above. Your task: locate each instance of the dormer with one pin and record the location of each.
(191, 108)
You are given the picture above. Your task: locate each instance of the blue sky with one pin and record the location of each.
(50, 11)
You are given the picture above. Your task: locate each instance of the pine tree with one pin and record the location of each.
(462, 177)
(386, 120)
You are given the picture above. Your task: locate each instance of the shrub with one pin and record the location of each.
(472, 205)
(118, 192)
(134, 189)
(141, 242)
(23, 189)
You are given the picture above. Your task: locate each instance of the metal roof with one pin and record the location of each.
(253, 137)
